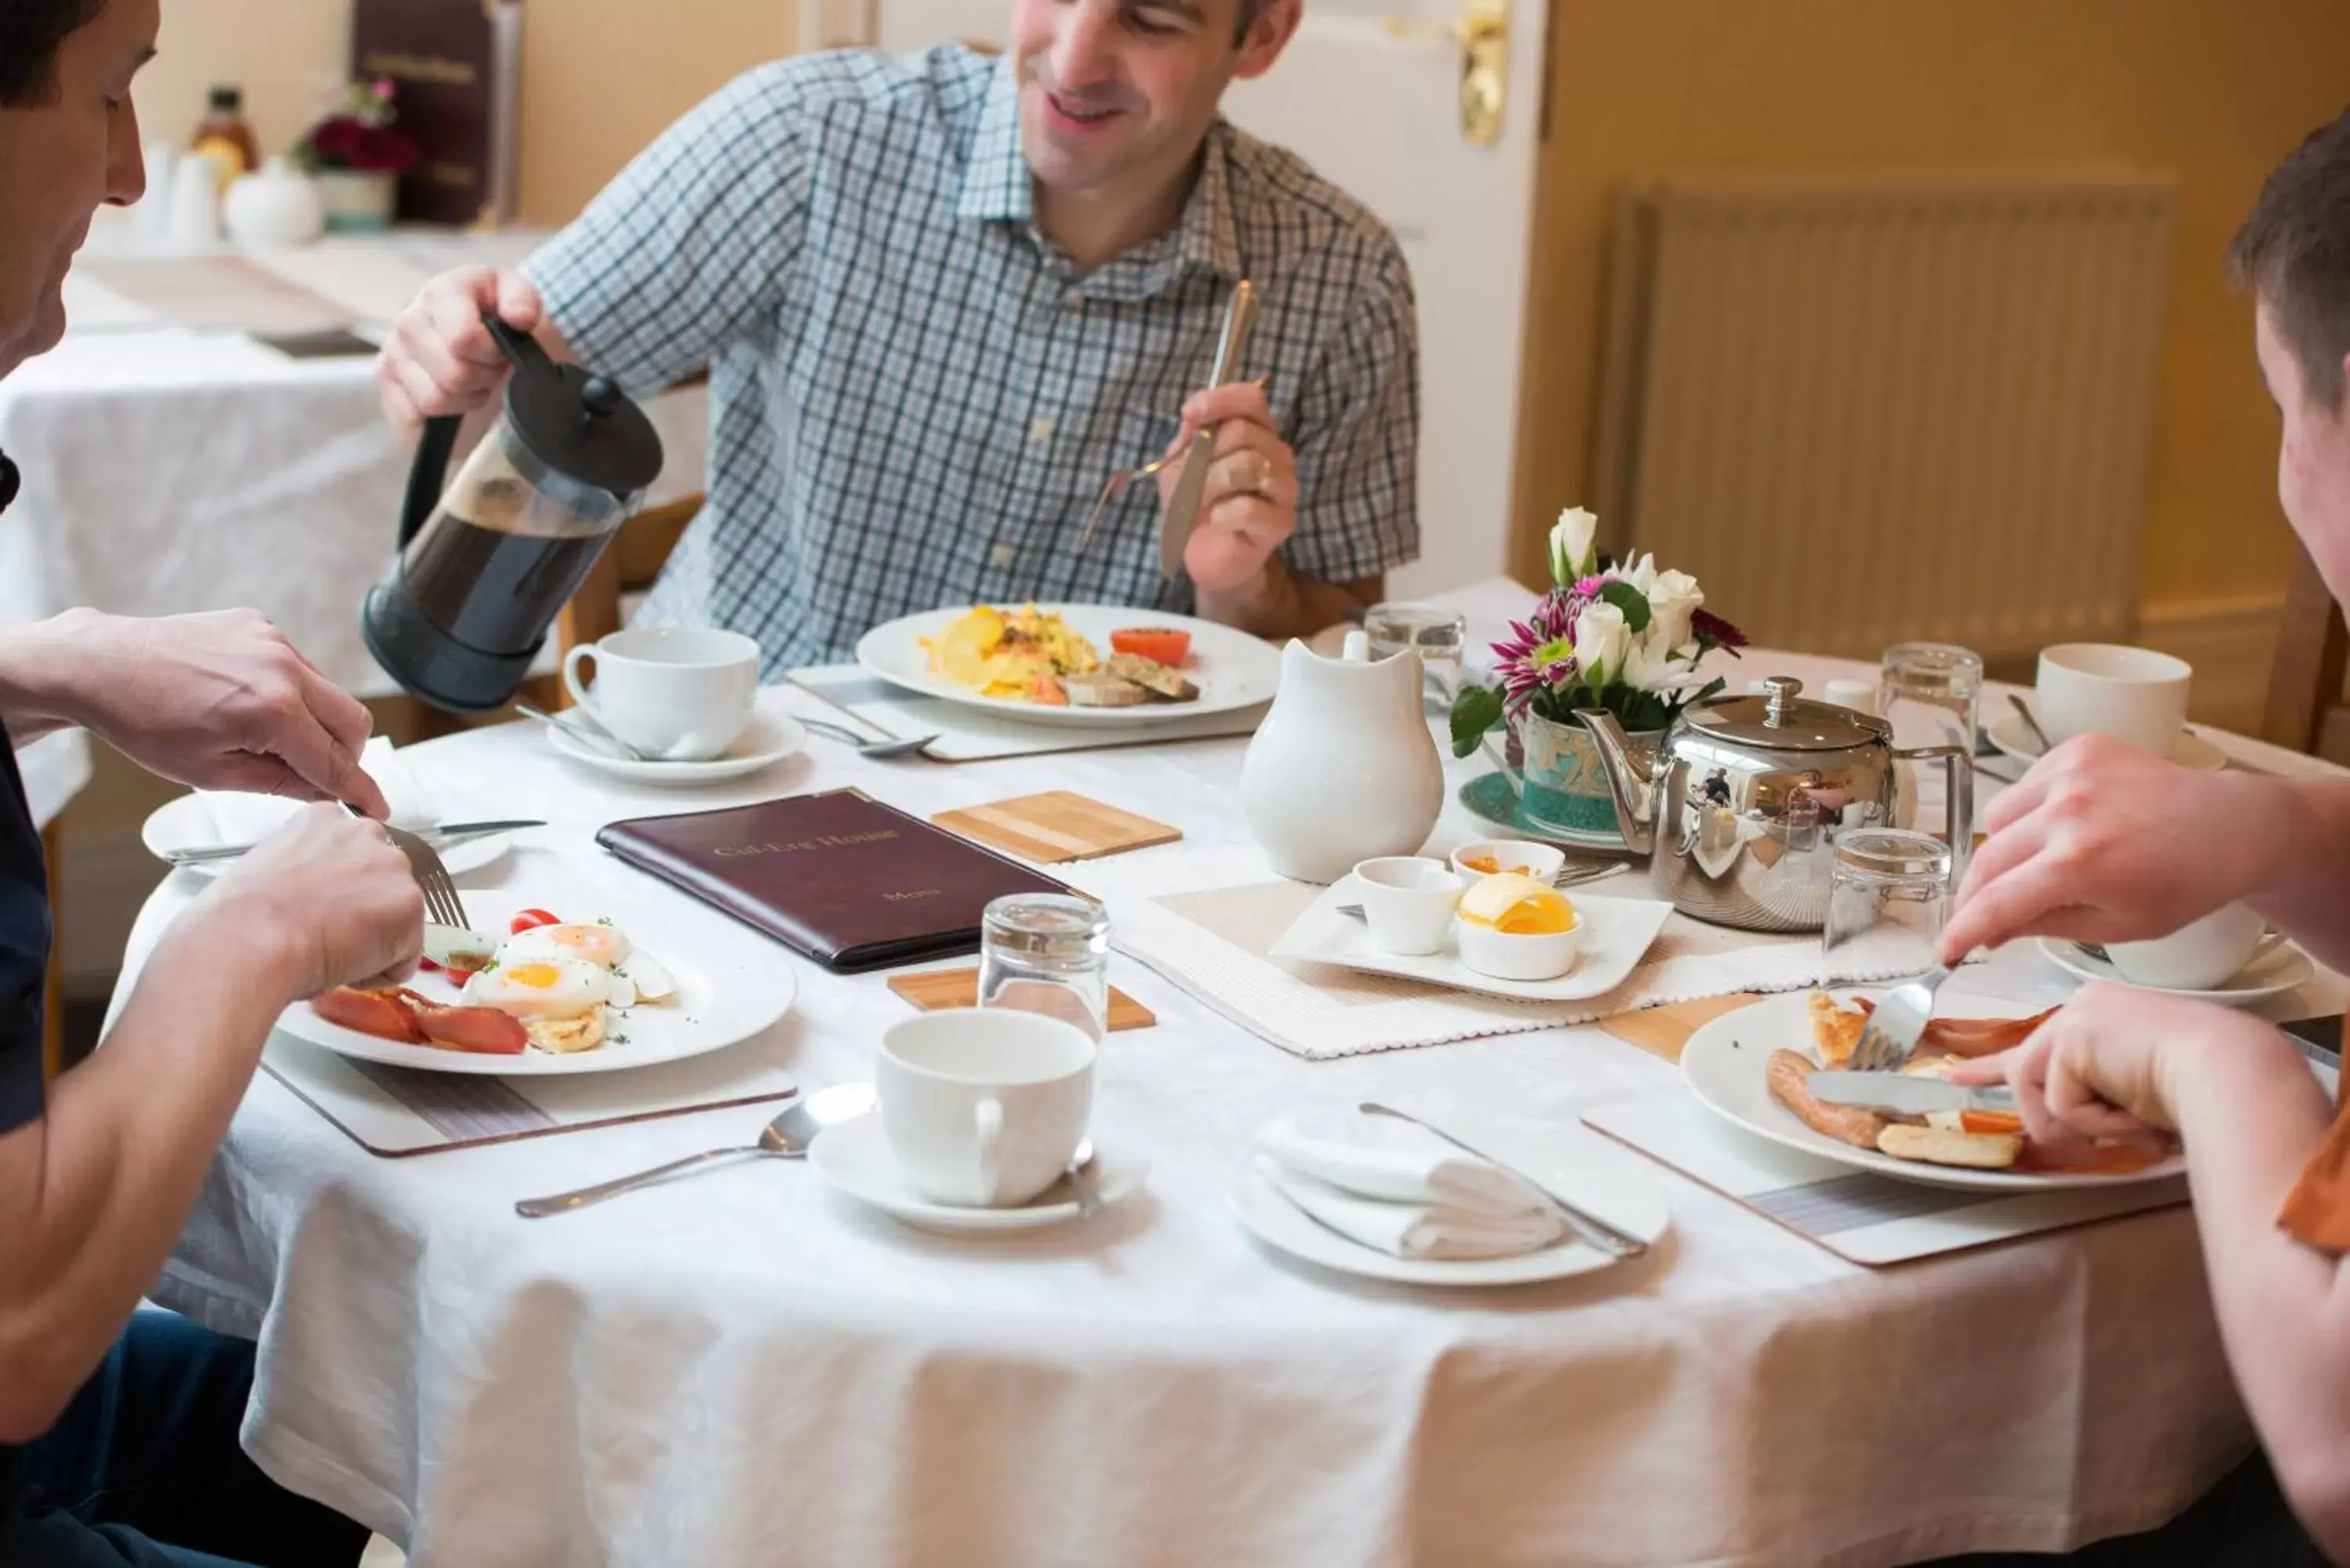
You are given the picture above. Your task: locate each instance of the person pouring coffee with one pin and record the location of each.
(943, 299)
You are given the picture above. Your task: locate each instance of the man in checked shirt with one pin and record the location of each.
(943, 298)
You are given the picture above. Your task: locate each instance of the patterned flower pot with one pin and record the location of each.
(357, 200)
(1563, 785)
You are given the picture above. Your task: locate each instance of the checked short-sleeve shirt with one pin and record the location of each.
(915, 397)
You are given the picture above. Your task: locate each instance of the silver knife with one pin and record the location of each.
(1908, 1093)
(1183, 510)
(1587, 1227)
(439, 838)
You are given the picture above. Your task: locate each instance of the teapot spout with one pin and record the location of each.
(1635, 777)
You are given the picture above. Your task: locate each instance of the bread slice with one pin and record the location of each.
(1102, 691)
(565, 1036)
(1933, 1146)
(1160, 679)
(1836, 1030)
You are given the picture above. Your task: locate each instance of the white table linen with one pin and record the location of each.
(750, 1368)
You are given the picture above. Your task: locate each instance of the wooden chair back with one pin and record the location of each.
(2306, 709)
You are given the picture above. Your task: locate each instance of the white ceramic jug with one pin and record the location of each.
(277, 207)
(1344, 768)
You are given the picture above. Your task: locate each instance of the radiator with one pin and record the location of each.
(1863, 412)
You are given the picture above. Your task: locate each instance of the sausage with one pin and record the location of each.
(1857, 1125)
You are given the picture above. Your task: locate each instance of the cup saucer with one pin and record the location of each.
(768, 740)
(2007, 733)
(2281, 969)
(856, 1157)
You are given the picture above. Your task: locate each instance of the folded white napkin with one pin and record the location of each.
(1400, 1189)
(239, 817)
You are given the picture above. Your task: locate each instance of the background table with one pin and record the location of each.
(748, 1368)
(169, 470)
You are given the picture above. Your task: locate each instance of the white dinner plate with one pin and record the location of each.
(856, 1157)
(1233, 670)
(766, 741)
(1598, 1176)
(731, 983)
(2283, 967)
(2006, 729)
(1617, 933)
(184, 823)
(1724, 1063)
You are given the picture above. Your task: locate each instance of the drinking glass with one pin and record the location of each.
(1048, 953)
(1440, 637)
(1888, 893)
(1931, 693)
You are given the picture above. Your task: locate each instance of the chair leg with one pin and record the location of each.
(53, 988)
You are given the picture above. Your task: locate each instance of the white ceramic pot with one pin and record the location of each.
(276, 208)
(356, 201)
(1344, 769)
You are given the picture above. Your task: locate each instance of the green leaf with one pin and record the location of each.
(1631, 601)
(1475, 711)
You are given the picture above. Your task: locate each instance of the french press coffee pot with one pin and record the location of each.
(485, 567)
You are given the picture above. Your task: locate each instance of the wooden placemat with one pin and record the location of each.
(1056, 827)
(1663, 1031)
(939, 989)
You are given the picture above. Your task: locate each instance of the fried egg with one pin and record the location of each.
(637, 976)
(541, 987)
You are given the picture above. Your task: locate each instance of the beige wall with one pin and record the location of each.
(2213, 91)
(600, 81)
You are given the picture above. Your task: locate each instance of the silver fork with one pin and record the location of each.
(1896, 1025)
(440, 901)
(1116, 486)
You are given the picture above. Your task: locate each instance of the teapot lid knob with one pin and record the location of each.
(1782, 691)
(1357, 650)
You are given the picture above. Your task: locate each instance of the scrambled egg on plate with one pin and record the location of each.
(1017, 656)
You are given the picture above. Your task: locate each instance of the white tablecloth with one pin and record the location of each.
(748, 1368)
(169, 470)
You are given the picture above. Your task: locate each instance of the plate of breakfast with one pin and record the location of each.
(553, 982)
(1752, 1067)
(1075, 664)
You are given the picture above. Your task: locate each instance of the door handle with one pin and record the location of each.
(1484, 35)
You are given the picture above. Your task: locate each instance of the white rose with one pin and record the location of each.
(1572, 555)
(1602, 640)
(1673, 602)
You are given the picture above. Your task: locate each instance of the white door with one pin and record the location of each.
(1371, 93)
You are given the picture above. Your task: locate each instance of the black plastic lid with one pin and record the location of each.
(229, 99)
(580, 425)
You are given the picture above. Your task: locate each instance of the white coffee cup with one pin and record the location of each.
(984, 1106)
(678, 694)
(1408, 902)
(2133, 694)
(2199, 956)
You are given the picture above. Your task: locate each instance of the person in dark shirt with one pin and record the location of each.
(117, 1428)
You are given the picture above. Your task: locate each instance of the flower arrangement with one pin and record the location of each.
(358, 135)
(1627, 639)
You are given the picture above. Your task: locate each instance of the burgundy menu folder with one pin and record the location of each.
(838, 877)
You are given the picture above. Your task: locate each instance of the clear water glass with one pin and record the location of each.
(1888, 894)
(1440, 637)
(1048, 953)
(1931, 693)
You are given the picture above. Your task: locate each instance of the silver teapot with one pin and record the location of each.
(1740, 805)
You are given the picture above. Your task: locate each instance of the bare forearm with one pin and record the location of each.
(36, 676)
(2252, 1115)
(2309, 894)
(92, 1196)
(1283, 604)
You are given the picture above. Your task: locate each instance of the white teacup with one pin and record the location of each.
(984, 1106)
(2199, 956)
(2133, 694)
(1408, 902)
(681, 694)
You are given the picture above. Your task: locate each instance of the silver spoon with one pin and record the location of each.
(881, 750)
(592, 735)
(1080, 1176)
(2031, 724)
(786, 1137)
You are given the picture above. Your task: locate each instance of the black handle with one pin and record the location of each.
(428, 475)
(521, 349)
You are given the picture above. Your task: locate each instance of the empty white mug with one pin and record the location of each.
(1408, 902)
(677, 693)
(2133, 694)
(984, 1106)
(2199, 956)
